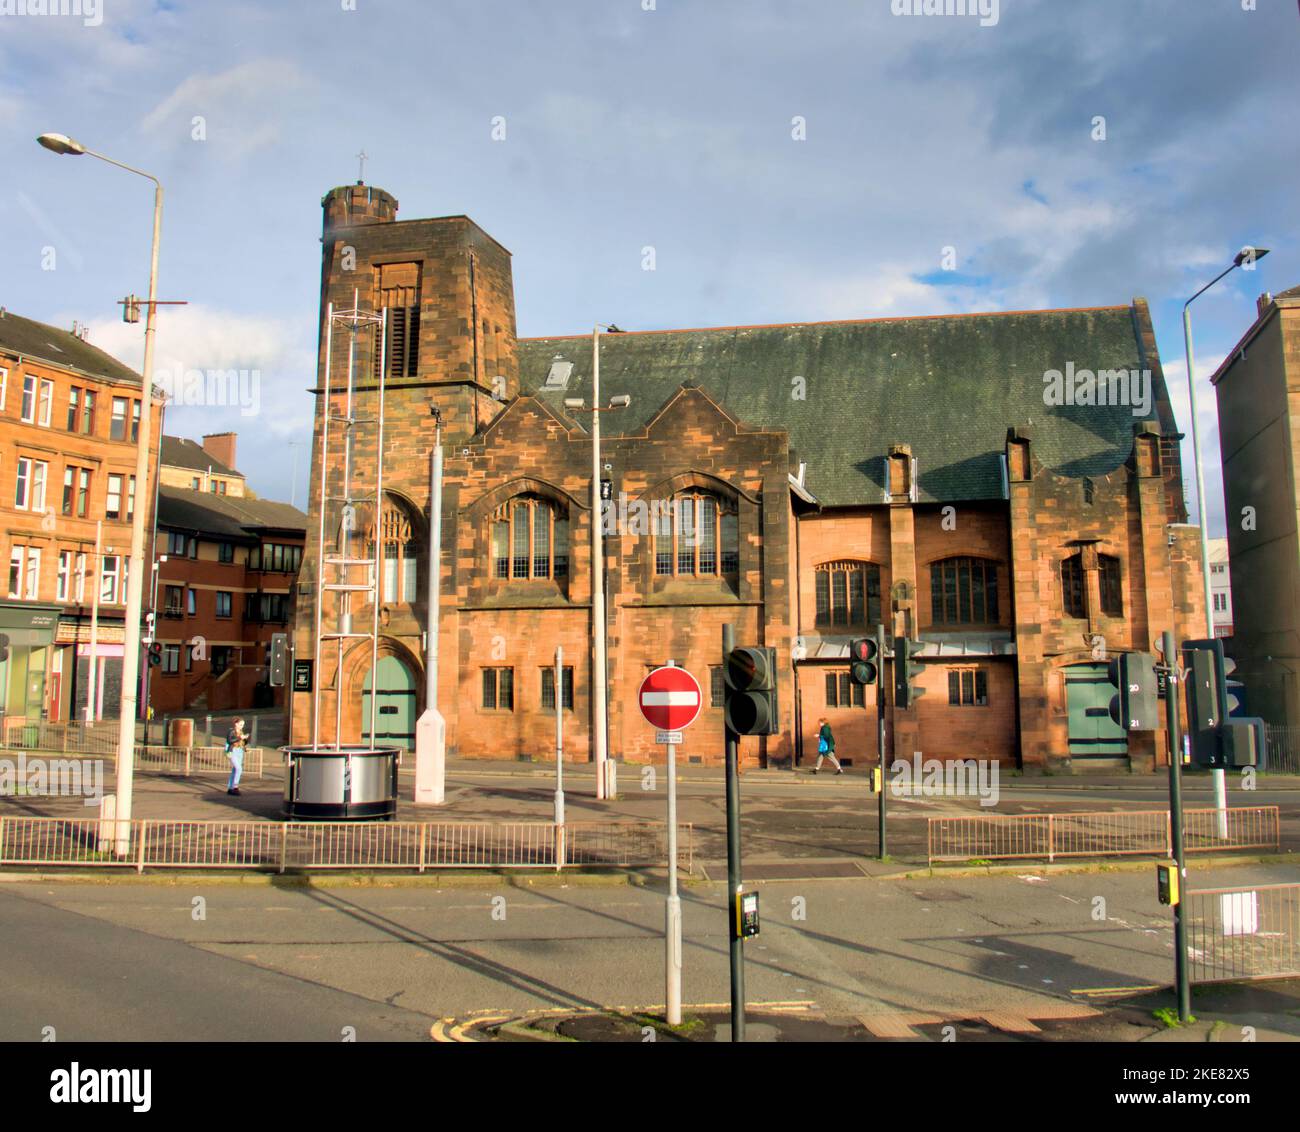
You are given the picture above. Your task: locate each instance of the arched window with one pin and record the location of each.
(697, 534)
(848, 593)
(399, 564)
(1074, 593)
(530, 540)
(964, 591)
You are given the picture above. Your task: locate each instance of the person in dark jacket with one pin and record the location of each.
(826, 747)
(236, 744)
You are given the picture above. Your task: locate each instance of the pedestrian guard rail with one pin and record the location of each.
(1238, 934)
(282, 846)
(995, 837)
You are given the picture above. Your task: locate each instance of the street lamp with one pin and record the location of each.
(62, 144)
(1247, 255)
(600, 693)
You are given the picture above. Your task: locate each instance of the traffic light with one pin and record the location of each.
(864, 660)
(131, 308)
(1135, 706)
(279, 658)
(749, 706)
(907, 672)
(1241, 742)
(155, 654)
(4, 647)
(1207, 699)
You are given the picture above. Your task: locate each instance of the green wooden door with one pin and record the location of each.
(1092, 731)
(394, 706)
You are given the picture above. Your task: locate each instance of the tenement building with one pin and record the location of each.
(223, 584)
(1006, 488)
(69, 435)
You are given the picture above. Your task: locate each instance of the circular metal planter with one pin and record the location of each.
(341, 783)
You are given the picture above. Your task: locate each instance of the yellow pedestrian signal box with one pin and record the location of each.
(746, 914)
(1167, 882)
(875, 780)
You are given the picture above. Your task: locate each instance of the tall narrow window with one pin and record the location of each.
(117, 424)
(46, 405)
(135, 421)
(29, 399)
(548, 688)
(399, 292)
(64, 577)
(1112, 600)
(108, 579)
(83, 491)
(88, 411)
(964, 591)
(1072, 587)
(74, 406)
(113, 501)
(23, 483)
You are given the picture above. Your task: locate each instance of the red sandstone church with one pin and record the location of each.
(807, 481)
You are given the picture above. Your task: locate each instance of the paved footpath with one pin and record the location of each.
(181, 958)
(793, 824)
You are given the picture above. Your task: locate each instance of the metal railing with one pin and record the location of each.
(1097, 834)
(1243, 933)
(1283, 746)
(196, 760)
(282, 846)
(98, 738)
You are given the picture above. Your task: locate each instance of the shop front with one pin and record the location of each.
(28, 630)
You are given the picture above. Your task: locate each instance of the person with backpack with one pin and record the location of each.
(236, 744)
(826, 747)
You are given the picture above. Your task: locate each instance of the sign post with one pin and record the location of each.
(670, 699)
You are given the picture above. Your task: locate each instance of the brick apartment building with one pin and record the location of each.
(226, 584)
(69, 424)
(809, 480)
(1258, 393)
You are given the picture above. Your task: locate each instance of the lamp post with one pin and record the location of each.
(153, 634)
(1247, 255)
(62, 144)
(600, 693)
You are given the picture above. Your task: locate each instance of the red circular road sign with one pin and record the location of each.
(669, 698)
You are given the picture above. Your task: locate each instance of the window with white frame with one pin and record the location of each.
(45, 404)
(23, 483)
(63, 580)
(25, 572)
(29, 398)
(108, 576)
(4, 387)
(113, 503)
(117, 423)
(81, 577)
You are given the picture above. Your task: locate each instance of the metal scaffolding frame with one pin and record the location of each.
(353, 320)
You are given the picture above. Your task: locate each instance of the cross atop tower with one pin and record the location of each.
(361, 171)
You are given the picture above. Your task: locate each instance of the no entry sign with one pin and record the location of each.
(669, 698)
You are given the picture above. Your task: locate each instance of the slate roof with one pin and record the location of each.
(46, 343)
(235, 519)
(180, 452)
(948, 385)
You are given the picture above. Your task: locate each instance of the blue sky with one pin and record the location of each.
(670, 128)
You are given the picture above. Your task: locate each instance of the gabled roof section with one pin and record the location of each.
(948, 385)
(46, 343)
(181, 452)
(225, 516)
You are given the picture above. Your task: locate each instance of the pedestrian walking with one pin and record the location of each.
(826, 747)
(236, 744)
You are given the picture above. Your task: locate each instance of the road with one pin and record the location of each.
(115, 961)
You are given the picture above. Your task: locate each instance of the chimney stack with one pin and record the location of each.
(221, 446)
(1262, 303)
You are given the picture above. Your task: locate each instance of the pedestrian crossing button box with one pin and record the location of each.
(1167, 882)
(746, 914)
